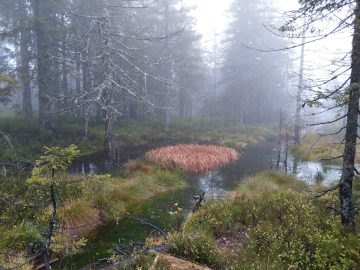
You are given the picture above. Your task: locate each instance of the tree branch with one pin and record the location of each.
(146, 223)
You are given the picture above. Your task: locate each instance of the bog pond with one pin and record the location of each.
(160, 210)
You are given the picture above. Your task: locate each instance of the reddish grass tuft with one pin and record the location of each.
(135, 164)
(192, 157)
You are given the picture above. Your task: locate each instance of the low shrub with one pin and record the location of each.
(281, 227)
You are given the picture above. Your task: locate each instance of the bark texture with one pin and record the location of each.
(108, 93)
(25, 59)
(42, 12)
(299, 93)
(347, 207)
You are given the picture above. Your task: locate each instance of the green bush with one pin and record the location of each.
(285, 229)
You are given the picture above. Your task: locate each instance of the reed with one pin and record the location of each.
(192, 157)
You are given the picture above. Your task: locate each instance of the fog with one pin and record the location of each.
(159, 97)
(120, 59)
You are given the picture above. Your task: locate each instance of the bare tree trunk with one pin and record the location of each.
(86, 88)
(241, 111)
(109, 136)
(108, 93)
(299, 92)
(167, 68)
(286, 149)
(98, 113)
(64, 66)
(77, 111)
(181, 102)
(279, 152)
(42, 40)
(347, 207)
(85, 107)
(24, 58)
(86, 118)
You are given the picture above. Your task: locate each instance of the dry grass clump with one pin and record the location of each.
(192, 157)
(13, 262)
(135, 164)
(80, 216)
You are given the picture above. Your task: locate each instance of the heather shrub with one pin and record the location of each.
(282, 228)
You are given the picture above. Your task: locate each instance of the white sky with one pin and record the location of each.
(212, 12)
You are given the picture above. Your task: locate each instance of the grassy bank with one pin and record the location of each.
(314, 147)
(269, 222)
(28, 138)
(84, 203)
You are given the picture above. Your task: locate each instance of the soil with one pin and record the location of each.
(232, 242)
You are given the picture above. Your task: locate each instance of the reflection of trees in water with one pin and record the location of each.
(250, 162)
(295, 165)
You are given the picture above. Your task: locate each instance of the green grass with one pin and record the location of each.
(281, 228)
(91, 202)
(313, 147)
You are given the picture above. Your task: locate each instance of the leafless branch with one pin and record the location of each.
(146, 223)
(322, 193)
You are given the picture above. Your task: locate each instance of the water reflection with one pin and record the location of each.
(314, 172)
(215, 184)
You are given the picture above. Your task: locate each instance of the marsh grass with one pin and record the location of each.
(192, 157)
(283, 228)
(85, 205)
(80, 217)
(135, 164)
(313, 147)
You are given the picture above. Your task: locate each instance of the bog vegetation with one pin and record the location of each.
(88, 69)
(85, 202)
(270, 222)
(28, 138)
(192, 157)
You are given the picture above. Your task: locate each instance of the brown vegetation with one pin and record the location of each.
(191, 157)
(134, 164)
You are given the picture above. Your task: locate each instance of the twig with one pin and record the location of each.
(12, 148)
(326, 191)
(146, 223)
(335, 209)
(103, 260)
(332, 158)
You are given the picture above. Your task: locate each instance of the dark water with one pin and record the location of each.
(95, 163)
(157, 211)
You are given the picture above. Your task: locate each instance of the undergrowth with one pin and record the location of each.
(320, 148)
(279, 226)
(28, 138)
(84, 203)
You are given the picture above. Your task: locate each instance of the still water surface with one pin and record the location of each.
(215, 184)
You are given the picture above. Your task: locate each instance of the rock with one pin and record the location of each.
(159, 249)
(173, 263)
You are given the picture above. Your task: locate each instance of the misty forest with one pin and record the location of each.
(179, 134)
